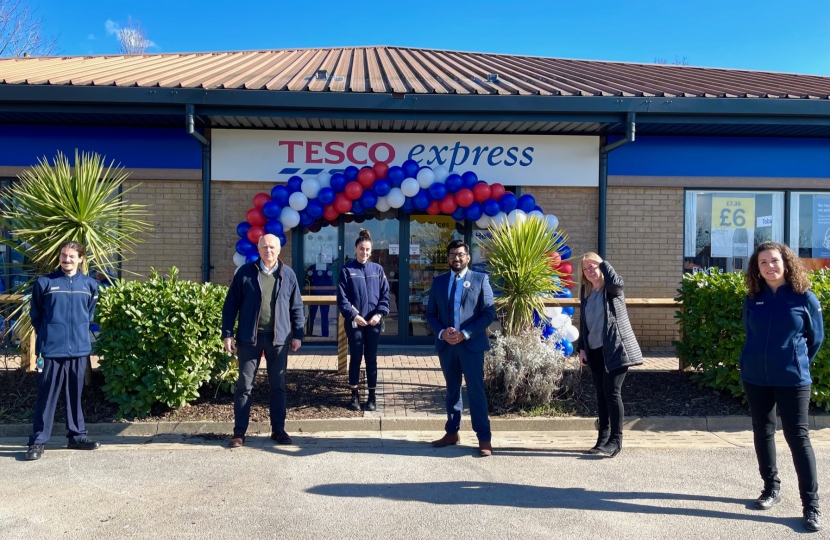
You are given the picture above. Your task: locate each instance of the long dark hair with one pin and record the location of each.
(363, 236)
(794, 271)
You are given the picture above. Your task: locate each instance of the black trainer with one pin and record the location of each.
(34, 452)
(281, 437)
(354, 404)
(812, 519)
(769, 498)
(85, 444)
(370, 405)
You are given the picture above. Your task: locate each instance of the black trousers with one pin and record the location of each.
(363, 343)
(276, 361)
(609, 394)
(60, 376)
(792, 403)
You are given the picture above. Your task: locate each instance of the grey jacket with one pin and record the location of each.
(620, 347)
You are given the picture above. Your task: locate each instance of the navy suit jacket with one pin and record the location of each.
(477, 309)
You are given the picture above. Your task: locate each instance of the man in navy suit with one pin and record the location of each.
(459, 311)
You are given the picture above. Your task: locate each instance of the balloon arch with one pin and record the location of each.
(408, 187)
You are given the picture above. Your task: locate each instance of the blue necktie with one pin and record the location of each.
(454, 278)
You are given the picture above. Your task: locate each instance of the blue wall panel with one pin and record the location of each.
(147, 148)
(722, 156)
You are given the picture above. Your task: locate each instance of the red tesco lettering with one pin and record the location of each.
(336, 152)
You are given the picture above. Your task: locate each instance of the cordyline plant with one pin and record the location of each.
(518, 257)
(52, 204)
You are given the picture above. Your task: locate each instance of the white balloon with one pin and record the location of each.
(289, 217)
(499, 218)
(396, 198)
(410, 187)
(238, 259)
(559, 321)
(383, 204)
(441, 173)
(571, 333)
(310, 187)
(552, 221)
(324, 179)
(537, 215)
(425, 177)
(553, 311)
(483, 222)
(516, 217)
(298, 201)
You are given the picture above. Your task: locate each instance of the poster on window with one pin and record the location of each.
(821, 227)
(733, 220)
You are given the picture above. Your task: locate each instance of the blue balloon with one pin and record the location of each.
(338, 182)
(422, 200)
(253, 257)
(491, 207)
(357, 207)
(474, 211)
(380, 187)
(314, 208)
(564, 251)
(283, 239)
(242, 229)
(351, 173)
(564, 293)
(527, 203)
(368, 200)
(437, 191)
(538, 208)
(453, 183)
(508, 203)
(458, 214)
(410, 168)
(271, 210)
(279, 195)
(547, 331)
(470, 179)
(395, 175)
(274, 227)
(567, 348)
(325, 196)
(245, 247)
(408, 205)
(569, 311)
(295, 184)
(305, 218)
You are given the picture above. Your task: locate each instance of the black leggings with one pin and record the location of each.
(363, 343)
(792, 404)
(609, 394)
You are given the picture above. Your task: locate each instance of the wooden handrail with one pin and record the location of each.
(630, 302)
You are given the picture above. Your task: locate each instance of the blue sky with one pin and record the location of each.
(760, 35)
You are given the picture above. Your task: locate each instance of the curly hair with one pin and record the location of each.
(794, 271)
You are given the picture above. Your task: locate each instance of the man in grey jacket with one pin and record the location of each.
(265, 297)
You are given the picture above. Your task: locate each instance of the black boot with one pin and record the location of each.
(370, 403)
(612, 447)
(354, 404)
(602, 439)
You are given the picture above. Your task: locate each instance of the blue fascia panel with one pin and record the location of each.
(130, 147)
(722, 156)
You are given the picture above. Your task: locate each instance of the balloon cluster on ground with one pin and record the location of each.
(556, 323)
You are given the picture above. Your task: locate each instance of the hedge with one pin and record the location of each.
(712, 331)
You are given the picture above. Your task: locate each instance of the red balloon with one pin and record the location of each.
(448, 204)
(353, 191)
(555, 259)
(333, 223)
(568, 282)
(342, 203)
(481, 192)
(464, 197)
(330, 212)
(434, 208)
(380, 169)
(496, 191)
(254, 233)
(260, 199)
(366, 177)
(566, 268)
(256, 217)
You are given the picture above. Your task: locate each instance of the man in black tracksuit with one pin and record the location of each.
(61, 309)
(265, 297)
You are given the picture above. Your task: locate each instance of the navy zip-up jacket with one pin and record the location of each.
(244, 300)
(784, 331)
(61, 309)
(362, 289)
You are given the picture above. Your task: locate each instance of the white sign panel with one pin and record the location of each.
(515, 160)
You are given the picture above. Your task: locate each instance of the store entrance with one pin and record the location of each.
(412, 251)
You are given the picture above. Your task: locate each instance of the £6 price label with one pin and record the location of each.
(733, 212)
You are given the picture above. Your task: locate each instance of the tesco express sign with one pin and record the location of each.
(521, 160)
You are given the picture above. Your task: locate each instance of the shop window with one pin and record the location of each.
(810, 228)
(723, 228)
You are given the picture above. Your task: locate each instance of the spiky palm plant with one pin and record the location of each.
(52, 204)
(518, 257)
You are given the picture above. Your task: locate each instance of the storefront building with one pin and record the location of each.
(661, 169)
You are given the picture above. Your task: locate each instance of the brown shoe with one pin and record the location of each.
(485, 449)
(236, 442)
(447, 440)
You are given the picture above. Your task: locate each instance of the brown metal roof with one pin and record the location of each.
(406, 71)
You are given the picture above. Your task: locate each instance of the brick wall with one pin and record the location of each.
(576, 209)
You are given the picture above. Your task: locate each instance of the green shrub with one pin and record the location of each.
(160, 342)
(712, 331)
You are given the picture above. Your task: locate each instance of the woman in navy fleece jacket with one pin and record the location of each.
(784, 331)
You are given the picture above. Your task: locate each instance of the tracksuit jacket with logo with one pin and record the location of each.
(61, 310)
